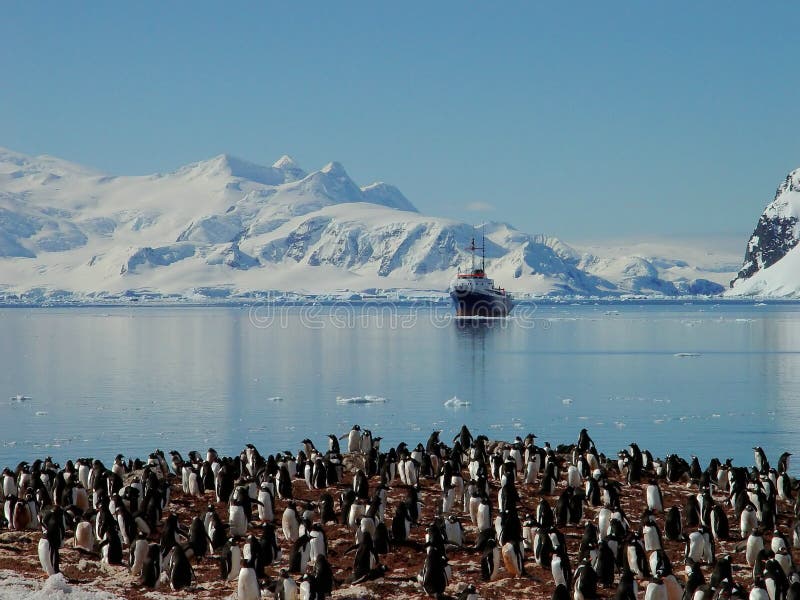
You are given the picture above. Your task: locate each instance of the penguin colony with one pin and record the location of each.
(467, 519)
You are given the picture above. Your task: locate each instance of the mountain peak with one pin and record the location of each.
(285, 162)
(334, 168)
(289, 167)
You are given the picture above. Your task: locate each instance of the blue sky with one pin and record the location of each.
(582, 120)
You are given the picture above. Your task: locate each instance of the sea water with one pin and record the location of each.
(706, 379)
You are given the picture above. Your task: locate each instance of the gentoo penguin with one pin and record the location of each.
(230, 561)
(325, 506)
(759, 591)
(656, 590)
(180, 573)
(655, 501)
(762, 464)
(365, 560)
(672, 524)
(560, 570)
(266, 503)
(722, 571)
(453, 530)
(490, 561)
(401, 523)
(719, 523)
(627, 587)
(484, 515)
(290, 523)
(198, 538)
(285, 587)
(151, 568)
(48, 556)
(434, 576)
(512, 559)
(270, 550)
(323, 575)
(605, 565)
(333, 444)
(748, 520)
(84, 536)
(353, 439)
(299, 554)
(755, 544)
(247, 587)
(137, 553)
(237, 520)
(111, 547)
(783, 463)
(560, 592)
(585, 586)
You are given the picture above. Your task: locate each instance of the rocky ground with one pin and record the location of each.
(18, 550)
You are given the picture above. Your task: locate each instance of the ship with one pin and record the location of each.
(475, 295)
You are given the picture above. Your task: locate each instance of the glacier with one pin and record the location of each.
(226, 229)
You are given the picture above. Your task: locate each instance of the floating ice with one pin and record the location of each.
(456, 401)
(365, 399)
(41, 413)
(275, 399)
(686, 354)
(566, 401)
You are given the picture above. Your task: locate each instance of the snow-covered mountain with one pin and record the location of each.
(772, 258)
(226, 227)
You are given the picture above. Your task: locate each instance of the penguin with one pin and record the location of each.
(755, 544)
(761, 462)
(585, 587)
(656, 590)
(247, 587)
(285, 587)
(353, 439)
(747, 520)
(655, 500)
(48, 557)
(454, 532)
(270, 550)
(290, 523)
(434, 576)
(151, 567)
(323, 575)
(719, 523)
(327, 514)
(299, 554)
(230, 561)
(490, 561)
(137, 553)
(84, 536)
(783, 463)
(237, 520)
(560, 592)
(627, 587)
(605, 565)
(672, 524)
(111, 547)
(365, 560)
(180, 573)
(484, 515)
(198, 538)
(512, 559)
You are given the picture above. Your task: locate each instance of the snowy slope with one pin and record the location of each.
(226, 227)
(771, 258)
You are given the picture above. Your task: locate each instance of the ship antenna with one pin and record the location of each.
(483, 247)
(472, 248)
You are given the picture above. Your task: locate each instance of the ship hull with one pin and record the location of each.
(476, 304)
